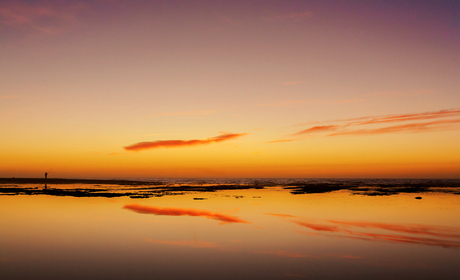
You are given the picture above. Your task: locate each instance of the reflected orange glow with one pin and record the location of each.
(194, 244)
(296, 255)
(319, 227)
(289, 255)
(316, 230)
(169, 211)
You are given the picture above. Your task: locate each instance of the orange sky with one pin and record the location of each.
(255, 89)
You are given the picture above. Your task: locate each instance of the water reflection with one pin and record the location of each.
(170, 211)
(242, 230)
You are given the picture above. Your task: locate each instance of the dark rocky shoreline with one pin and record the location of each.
(146, 189)
(59, 181)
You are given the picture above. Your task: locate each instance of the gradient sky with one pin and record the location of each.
(230, 88)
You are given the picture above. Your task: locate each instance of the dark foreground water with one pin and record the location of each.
(229, 229)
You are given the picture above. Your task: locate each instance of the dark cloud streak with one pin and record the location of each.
(408, 117)
(181, 143)
(411, 127)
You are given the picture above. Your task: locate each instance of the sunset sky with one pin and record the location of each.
(155, 89)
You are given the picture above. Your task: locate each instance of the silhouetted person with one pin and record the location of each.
(46, 176)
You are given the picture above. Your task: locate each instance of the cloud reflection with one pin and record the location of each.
(438, 235)
(193, 244)
(289, 255)
(169, 211)
(437, 231)
(403, 239)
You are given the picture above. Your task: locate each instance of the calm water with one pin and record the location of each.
(232, 229)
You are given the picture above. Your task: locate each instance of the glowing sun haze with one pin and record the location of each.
(230, 89)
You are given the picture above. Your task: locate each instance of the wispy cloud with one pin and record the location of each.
(186, 113)
(45, 17)
(169, 211)
(193, 244)
(9, 96)
(398, 93)
(412, 123)
(405, 117)
(280, 215)
(348, 100)
(319, 128)
(284, 103)
(281, 141)
(287, 103)
(228, 20)
(412, 127)
(292, 83)
(295, 16)
(182, 143)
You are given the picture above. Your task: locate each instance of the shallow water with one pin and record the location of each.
(233, 230)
